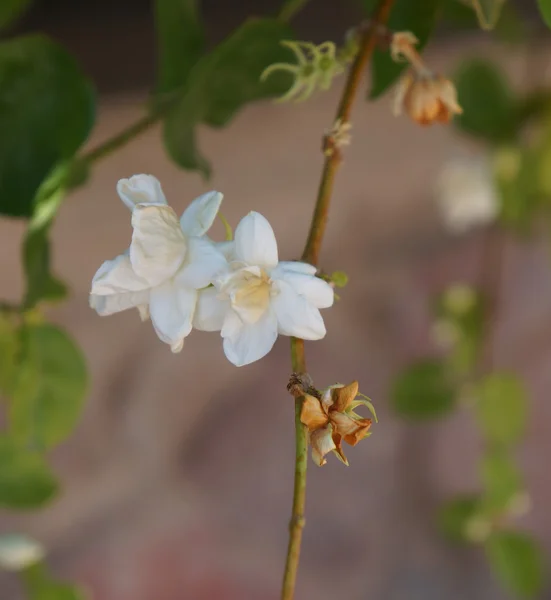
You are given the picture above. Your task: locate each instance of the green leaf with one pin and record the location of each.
(39, 585)
(50, 387)
(501, 409)
(488, 12)
(517, 562)
(489, 107)
(222, 82)
(510, 27)
(8, 352)
(25, 479)
(41, 283)
(11, 10)
(417, 17)
(181, 41)
(46, 113)
(501, 480)
(423, 391)
(454, 517)
(545, 10)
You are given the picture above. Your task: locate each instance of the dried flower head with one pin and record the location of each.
(332, 420)
(426, 97)
(315, 68)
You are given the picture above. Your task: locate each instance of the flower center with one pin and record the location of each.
(249, 292)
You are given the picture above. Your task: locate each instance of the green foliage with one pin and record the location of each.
(181, 41)
(222, 82)
(49, 387)
(461, 309)
(455, 515)
(8, 352)
(501, 481)
(510, 27)
(25, 479)
(545, 10)
(46, 113)
(41, 283)
(11, 10)
(423, 391)
(501, 409)
(39, 585)
(489, 107)
(517, 562)
(339, 278)
(488, 12)
(417, 17)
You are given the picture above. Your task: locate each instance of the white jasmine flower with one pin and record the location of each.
(17, 552)
(167, 263)
(259, 297)
(466, 195)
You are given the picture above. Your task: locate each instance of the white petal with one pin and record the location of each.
(158, 245)
(203, 262)
(255, 241)
(227, 249)
(140, 189)
(172, 307)
(200, 214)
(245, 343)
(295, 266)
(317, 291)
(211, 310)
(295, 315)
(114, 303)
(117, 277)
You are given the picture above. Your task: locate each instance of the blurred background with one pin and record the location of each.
(178, 480)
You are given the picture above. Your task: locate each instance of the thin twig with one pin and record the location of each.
(311, 255)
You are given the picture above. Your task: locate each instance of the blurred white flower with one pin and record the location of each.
(18, 552)
(259, 297)
(466, 195)
(167, 263)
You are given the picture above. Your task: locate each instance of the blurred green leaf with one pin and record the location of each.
(181, 41)
(501, 480)
(488, 12)
(25, 479)
(417, 17)
(423, 391)
(222, 82)
(8, 352)
(455, 515)
(41, 283)
(461, 308)
(39, 585)
(488, 103)
(517, 562)
(46, 113)
(501, 408)
(545, 10)
(50, 387)
(11, 10)
(510, 26)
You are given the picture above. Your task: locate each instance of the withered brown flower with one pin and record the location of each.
(427, 98)
(332, 420)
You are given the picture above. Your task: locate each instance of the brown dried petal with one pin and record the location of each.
(343, 423)
(312, 414)
(322, 443)
(337, 440)
(344, 396)
(360, 433)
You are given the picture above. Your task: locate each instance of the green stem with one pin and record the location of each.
(122, 138)
(311, 255)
